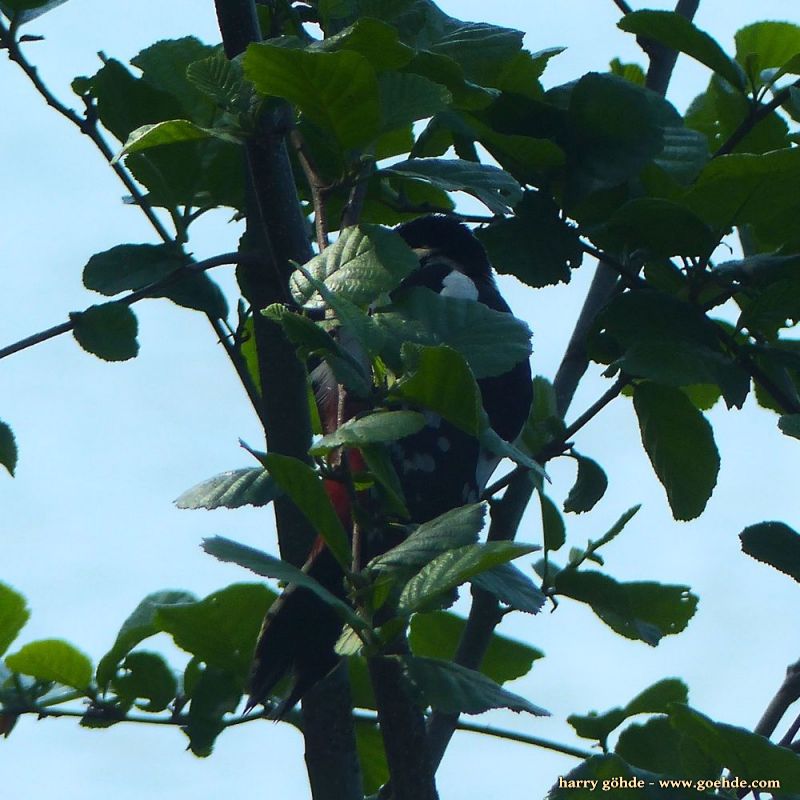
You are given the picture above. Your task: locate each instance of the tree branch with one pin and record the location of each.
(276, 228)
(87, 125)
(623, 6)
(662, 59)
(507, 512)
(787, 694)
(411, 765)
(150, 290)
(295, 719)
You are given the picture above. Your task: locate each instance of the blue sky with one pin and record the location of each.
(89, 528)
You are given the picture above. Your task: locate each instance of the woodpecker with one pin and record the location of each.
(439, 468)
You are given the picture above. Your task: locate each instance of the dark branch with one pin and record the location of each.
(663, 59)
(316, 186)
(276, 228)
(787, 694)
(403, 729)
(757, 113)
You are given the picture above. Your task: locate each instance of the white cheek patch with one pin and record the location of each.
(457, 284)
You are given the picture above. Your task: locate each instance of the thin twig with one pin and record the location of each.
(358, 194)
(757, 114)
(558, 446)
(134, 297)
(315, 185)
(86, 124)
(523, 738)
(788, 737)
(623, 6)
(294, 718)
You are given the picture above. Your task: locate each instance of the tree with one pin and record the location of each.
(594, 185)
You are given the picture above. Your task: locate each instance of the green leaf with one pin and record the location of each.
(790, 425)
(26, 10)
(684, 154)
(776, 306)
(482, 50)
(107, 331)
(660, 227)
(313, 341)
(147, 676)
(616, 528)
(336, 91)
(454, 689)
(380, 466)
(379, 427)
(13, 616)
(544, 422)
(763, 45)
(678, 33)
(8, 448)
(512, 587)
(680, 444)
(266, 565)
(553, 530)
(773, 543)
(406, 97)
(306, 490)
(438, 379)
(373, 39)
(129, 267)
(223, 81)
(220, 629)
(589, 488)
(658, 747)
(164, 66)
(615, 128)
(721, 110)
(215, 693)
(655, 699)
(746, 188)
(747, 755)
(496, 189)
(125, 103)
(630, 72)
(657, 336)
(171, 132)
(536, 245)
(452, 568)
(526, 158)
(362, 263)
(53, 660)
(141, 624)
(492, 342)
(437, 634)
(453, 529)
(252, 486)
(371, 755)
(641, 610)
